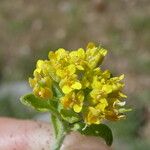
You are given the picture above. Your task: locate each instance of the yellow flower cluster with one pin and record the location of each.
(42, 83)
(92, 93)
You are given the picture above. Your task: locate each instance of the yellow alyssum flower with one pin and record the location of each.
(105, 110)
(58, 61)
(44, 68)
(59, 58)
(41, 83)
(85, 87)
(41, 87)
(114, 111)
(95, 55)
(78, 59)
(96, 115)
(104, 87)
(93, 116)
(66, 71)
(88, 77)
(70, 83)
(73, 100)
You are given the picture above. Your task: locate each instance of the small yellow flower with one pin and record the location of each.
(100, 78)
(42, 67)
(42, 82)
(95, 55)
(100, 91)
(97, 95)
(73, 100)
(104, 86)
(78, 59)
(41, 88)
(103, 103)
(66, 71)
(88, 77)
(96, 114)
(116, 84)
(58, 61)
(93, 116)
(70, 83)
(44, 93)
(59, 58)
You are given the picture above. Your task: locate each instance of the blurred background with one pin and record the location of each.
(30, 29)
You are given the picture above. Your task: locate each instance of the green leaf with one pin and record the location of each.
(100, 130)
(37, 103)
(69, 116)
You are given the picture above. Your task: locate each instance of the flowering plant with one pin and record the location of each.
(79, 95)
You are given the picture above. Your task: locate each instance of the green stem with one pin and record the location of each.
(54, 123)
(60, 132)
(54, 112)
(59, 140)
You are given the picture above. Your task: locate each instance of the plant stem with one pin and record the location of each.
(54, 112)
(59, 140)
(54, 123)
(60, 132)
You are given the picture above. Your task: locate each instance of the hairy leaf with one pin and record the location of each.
(100, 130)
(37, 103)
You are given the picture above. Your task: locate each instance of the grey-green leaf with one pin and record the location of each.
(32, 101)
(100, 130)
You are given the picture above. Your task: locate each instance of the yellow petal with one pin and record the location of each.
(79, 67)
(107, 88)
(40, 63)
(37, 72)
(72, 69)
(94, 93)
(93, 116)
(73, 54)
(121, 77)
(101, 107)
(106, 74)
(61, 53)
(81, 53)
(59, 72)
(76, 85)
(77, 108)
(103, 52)
(66, 89)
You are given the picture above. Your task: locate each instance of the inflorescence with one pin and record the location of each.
(93, 94)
